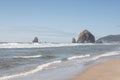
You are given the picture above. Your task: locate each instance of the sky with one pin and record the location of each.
(57, 20)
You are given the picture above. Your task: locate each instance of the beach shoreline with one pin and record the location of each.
(108, 70)
(58, 63)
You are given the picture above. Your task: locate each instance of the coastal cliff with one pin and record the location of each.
(109, 39)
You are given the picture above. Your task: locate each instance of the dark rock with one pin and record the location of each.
(99, 41)
(86, 37)
(73, 40)
(35, 40)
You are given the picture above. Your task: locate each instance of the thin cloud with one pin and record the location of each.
(43, 31)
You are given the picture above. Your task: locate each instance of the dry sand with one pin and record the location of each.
(109, 70)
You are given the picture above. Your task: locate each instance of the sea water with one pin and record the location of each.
(50, 61)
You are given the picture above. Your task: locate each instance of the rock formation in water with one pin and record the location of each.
(86, 37)
(99, 41)
(73, 40)
(35, 40)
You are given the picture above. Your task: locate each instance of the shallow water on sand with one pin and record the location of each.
(20, 61)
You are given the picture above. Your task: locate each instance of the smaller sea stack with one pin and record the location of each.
(73, 40)
(35, 40)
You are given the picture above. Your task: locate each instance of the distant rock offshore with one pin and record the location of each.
(86, 37)
(73, 40)
(35, 40)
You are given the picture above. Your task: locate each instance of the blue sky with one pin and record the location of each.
(57, 20)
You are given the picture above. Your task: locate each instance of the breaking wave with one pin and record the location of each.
(38, 68)
(38, 45)
(114, 53)
(24, 57)
(89, 57)
(77, 57)
(27, 57)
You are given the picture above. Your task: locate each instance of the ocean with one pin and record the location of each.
(51, 61)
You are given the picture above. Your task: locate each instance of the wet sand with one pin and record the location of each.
(108, 70)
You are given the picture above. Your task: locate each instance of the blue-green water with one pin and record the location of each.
(23, 59)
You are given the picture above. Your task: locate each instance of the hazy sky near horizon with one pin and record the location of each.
(57, 20)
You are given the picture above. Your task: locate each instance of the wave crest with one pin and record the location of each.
(37, 45)
(77, 57)
(114, 53)
(27, 57)
(38, 68)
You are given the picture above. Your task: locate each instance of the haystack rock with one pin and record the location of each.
(86, 37)
(35, 40)
(73, 40)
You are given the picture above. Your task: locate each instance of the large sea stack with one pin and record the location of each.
(35, 40)
(86, 37)
(73, 40)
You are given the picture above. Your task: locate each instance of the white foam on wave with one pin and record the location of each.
(38, 68)
(24, 57)
(43, 45)
(34, 56)
(38, 45)
(114, 53)
(77, 57)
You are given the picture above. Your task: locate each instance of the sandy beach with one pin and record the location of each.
(109, 70)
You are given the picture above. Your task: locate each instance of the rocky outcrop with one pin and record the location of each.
(73, 40)
(99, 41)
(86, 37)
(35, 40)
